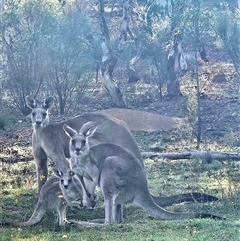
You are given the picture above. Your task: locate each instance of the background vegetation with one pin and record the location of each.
(55, 48)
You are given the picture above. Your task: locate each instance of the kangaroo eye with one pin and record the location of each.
(61, 181)
(83, 142)
(69, 180)
(44, 115)
(33, 114)
(73, 142)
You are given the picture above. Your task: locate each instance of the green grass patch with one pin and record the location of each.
(18, 199)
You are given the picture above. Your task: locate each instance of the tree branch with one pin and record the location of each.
(190, 154)
(193, 154)
(16, 159)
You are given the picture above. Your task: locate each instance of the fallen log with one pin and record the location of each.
(15, 159)
(194, 154)
(190, 154)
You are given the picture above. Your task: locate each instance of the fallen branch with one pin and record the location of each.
(16, 159)
(193, 154)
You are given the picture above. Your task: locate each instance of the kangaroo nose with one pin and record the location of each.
(38, 123)
(78, 150)
(65, 186)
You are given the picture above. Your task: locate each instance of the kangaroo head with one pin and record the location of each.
(79, 140)
(39, 114)
(64, 178)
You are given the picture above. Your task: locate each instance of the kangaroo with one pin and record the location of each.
(121, 176)
(71, 187)
(56, 194)
(50, 141)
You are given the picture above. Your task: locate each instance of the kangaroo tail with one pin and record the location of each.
(185, 197)
(157, 212)
(35, 218)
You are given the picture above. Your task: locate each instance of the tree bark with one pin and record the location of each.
(107, 67)
(175, 65)
(133, 76)
(109, 57)
(176, 61)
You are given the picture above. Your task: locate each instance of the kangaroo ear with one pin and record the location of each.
(31, 102)
(48, 103)
(91, 131)
(69, 131)
(57, 173)
(88, 129)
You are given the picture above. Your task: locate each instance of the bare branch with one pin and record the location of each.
(193, 154)
(190, 154)
(16, 159)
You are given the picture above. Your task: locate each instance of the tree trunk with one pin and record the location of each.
(176, 60)
(133, 76)
(107, 67)
(109, 58)
(176, 63)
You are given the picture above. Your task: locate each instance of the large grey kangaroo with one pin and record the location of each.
(50, 141)
(121, 176)
(56, 194)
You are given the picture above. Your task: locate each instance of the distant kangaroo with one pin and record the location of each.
(121, 176)
(56, 194)
(50, 141)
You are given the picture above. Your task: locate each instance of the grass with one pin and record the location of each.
(166, 231)
(18, 199)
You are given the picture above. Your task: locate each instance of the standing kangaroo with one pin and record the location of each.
(121, 176)
(55, 195)
(50, 141)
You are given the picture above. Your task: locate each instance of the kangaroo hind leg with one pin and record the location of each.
(42, 172)
(62, 215)
(108, 204)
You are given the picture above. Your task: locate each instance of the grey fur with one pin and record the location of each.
(71, 188)
(121, 176)
(53, 197)
(50, 141)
